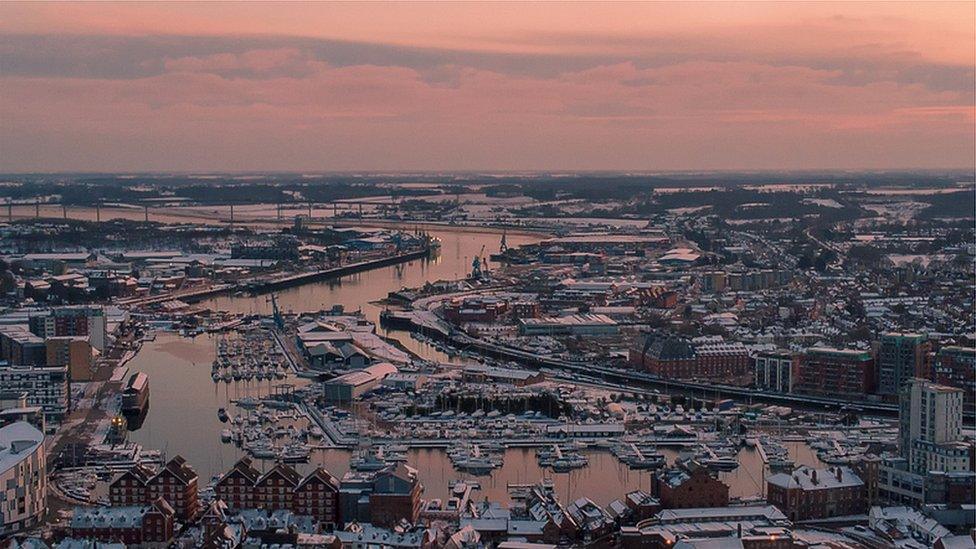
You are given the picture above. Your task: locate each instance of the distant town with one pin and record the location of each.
(464, 360)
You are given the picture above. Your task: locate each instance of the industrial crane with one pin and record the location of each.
(479, 266)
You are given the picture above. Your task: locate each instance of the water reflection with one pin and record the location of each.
(185, 400)
(361, 290)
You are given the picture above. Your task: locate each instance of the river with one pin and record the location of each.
(184, 401)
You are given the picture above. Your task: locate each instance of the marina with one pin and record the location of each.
(182, 364)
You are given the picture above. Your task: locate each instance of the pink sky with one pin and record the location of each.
(462, 86)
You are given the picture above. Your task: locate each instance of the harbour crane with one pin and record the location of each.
(278, 319)
(479, 265)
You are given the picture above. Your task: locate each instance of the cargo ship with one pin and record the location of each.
(135, 395)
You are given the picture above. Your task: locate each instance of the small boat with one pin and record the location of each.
(296, 453)
(222, 415)
(262, 452)
(226, 435)
(248, 402)
(723, 463)
(475, 465)
(568, 463)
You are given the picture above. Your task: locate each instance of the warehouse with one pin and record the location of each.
(351, 386)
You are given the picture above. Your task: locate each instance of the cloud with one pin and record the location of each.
(831, 92)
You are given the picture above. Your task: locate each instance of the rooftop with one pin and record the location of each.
(17, 441)
(808, 478)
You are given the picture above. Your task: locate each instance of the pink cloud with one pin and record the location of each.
(826, 93)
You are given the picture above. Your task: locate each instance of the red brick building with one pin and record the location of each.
(395, 496)
(276, 488)
(810, 493)
(674, 357)
(129, 487)
(315, 495)
(956, 367)
(666, 356)
(474, 309)
(131, 525)
(835, 372)
(236, 487)
(723, 361)
(680, 488)
(526, 309)
(176, 482)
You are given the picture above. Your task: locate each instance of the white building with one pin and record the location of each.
(774, 370)
(930, 427)
(23, 477)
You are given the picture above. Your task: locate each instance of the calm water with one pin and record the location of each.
(359, 291)
(184, 401)
(183, 420)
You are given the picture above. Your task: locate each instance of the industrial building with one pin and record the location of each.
(348, 387)
(581, 324)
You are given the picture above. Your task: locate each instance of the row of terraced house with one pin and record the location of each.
(391, 495)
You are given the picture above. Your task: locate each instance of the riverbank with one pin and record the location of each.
(217, 217)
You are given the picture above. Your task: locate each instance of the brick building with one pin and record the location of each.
(276, 488)
(236, 487)
(679, 488)
(75, 352)
(80, 320)
(131, 525)
(176, 482)
(723, 361)
(665, 355)
(526, 309)
(317, 496)
(395, 496)
(673, 357)
(835, 372)
(809, 493)
(474, 309)
(956, 367)
(281, 488)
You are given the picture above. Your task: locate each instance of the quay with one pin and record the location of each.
(298, 279)
(260, 286)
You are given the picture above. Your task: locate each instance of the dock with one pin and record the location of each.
(259, 286)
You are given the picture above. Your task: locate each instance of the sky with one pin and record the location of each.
(440, 86)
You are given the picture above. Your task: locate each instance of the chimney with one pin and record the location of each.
(840, 474)
(738, 528)
(813, 476)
